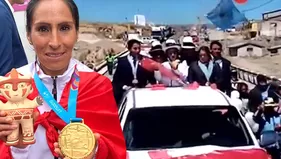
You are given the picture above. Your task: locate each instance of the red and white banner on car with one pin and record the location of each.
(221, 154)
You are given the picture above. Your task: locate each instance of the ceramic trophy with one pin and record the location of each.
(15, 88)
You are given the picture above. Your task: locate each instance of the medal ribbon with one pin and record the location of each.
(66, 116)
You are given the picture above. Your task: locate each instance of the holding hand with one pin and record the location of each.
(174, 64)
(7, 126)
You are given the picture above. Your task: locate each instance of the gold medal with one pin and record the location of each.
(77, 141)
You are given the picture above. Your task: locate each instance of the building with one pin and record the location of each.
(276, 49)
(247, 49)
(272, 15)
(270, 28)
(271, 24)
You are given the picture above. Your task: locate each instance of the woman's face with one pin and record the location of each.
(136, 48)
(244, 89)
(53, 35)
(203, 56)
(172, 54)
(158, 56)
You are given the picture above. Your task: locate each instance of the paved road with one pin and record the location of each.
(110, 77)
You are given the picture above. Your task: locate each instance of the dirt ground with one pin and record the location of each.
(92, 50)
(269, 65)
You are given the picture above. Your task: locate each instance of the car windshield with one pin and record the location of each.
(179, 127)
(156, 33)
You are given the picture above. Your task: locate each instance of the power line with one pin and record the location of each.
(259, 6)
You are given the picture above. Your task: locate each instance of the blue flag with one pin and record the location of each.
(226, 15)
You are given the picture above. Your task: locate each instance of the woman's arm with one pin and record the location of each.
(182, 71)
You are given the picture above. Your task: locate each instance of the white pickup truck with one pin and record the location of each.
(183, 123)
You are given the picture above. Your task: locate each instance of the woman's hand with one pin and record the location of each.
(91, 156)
(7, 126)
(174, 64)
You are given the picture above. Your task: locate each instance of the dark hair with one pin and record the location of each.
(240, 85)
(261, 78)
(207, 50)
(156, 47)
(215, 43)
(33, 4)
(132, 42)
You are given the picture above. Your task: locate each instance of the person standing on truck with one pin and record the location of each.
(225, 66)
(11, 50)
(110, 63)
(185, 34)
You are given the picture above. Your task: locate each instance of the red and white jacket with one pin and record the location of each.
(95, 104)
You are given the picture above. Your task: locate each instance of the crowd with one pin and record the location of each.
(207, 67)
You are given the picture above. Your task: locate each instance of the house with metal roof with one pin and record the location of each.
(247, 48)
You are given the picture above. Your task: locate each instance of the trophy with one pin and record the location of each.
(15, 88)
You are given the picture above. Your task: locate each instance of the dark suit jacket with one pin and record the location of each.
(226, 76)
(124, 76)
(12, 54)
(195, 74)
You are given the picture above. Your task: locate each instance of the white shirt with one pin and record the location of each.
(236, 101)
(182, 71)
(10, 6)
(40, 150)
(249, 118)
(20, 19)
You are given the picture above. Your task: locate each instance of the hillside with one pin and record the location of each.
(105, 30)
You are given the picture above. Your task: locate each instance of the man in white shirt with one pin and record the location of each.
(21, 25)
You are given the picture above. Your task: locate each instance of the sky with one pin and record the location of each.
(162, 11)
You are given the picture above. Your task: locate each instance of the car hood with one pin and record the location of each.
(201, 152)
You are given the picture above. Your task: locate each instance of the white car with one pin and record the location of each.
(175, 122)
(146, 39)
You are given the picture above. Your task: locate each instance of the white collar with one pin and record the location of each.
(10, 6)
(67, 74)
(130, 57)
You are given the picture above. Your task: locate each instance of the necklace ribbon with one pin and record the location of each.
(66, 116)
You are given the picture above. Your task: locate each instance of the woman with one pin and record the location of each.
(157, 55)
(268, 120)
(242, 89)
(170, 42)
(173, 64)
(52, 29)
(188, 51)
(204, 71)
